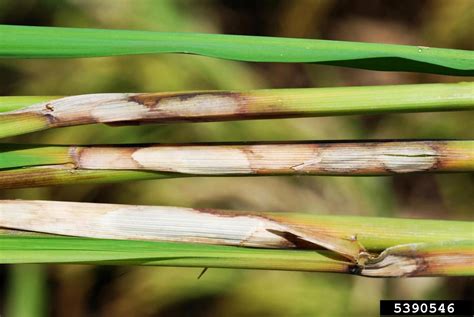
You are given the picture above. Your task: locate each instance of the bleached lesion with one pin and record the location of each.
(162, 224)
(420, 259)
(405, 158)
(200, 105)
(79, 109)
(201, 160)
(393, 266)
(126, 107)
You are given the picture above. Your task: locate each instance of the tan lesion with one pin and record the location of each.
(129, 108)
(412, 260)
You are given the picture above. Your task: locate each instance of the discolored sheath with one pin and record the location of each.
(443, 258)
(55, 42)
(36, 165)
(24, 115)
(409, 247)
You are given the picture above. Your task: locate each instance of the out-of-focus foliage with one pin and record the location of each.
(131, 291)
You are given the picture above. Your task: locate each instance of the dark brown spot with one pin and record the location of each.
(421, 261)
(439, 148)
(354, 269)
(52, 120)
(231, 213)
(148, 100)
(49, 107)
(422, 266)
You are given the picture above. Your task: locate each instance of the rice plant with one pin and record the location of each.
(132, 235)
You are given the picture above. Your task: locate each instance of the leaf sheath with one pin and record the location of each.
(149, 235)
(29, 114)
(42, 165)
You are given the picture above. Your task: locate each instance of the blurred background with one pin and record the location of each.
(81, 290)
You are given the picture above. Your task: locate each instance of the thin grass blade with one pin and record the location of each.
(25, 249)
(55, 42)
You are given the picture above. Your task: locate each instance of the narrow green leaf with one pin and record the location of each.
(24, 249)
(54, 42)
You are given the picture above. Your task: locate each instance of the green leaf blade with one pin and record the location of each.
(53, 42)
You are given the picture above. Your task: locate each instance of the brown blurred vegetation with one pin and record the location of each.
(134, 291)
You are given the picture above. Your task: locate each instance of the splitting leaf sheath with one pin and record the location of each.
(355, 242)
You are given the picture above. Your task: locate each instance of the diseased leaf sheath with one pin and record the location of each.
(41, 165)
(128, 108)
(167, 224)
(344, 235)
(443, 258)
(54, 42)
(436, 248)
